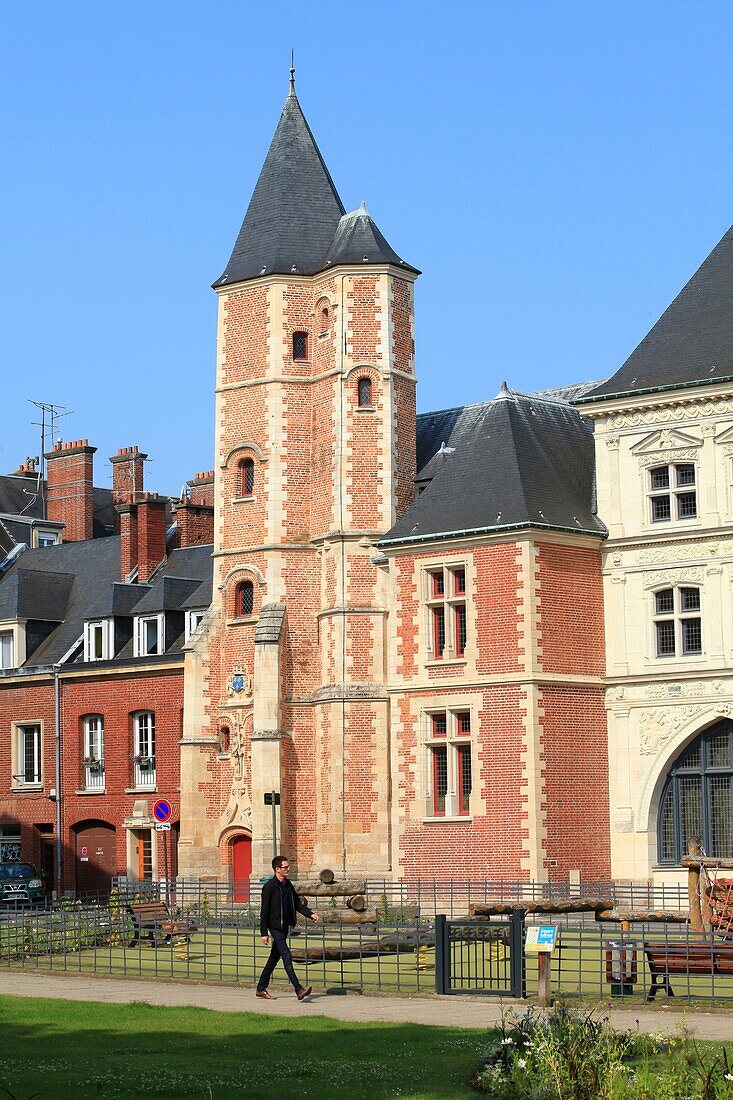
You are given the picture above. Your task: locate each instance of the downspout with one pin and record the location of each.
(57, 724)
(342, 458)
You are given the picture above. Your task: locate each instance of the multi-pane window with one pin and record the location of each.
(446, 608)
(697, 800)
(448, 746)
(246, 477)
(47, 538)
(677, 622)
(93, 752)
(28, 753)
(193, 622)
(364, 393)
(7, 650)
(148, 635)
(245, 599)
(144, 748)
(300, 345)
(672, 492)
(98, 641)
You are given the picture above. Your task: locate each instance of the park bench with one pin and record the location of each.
(685, 957)
(153, 920)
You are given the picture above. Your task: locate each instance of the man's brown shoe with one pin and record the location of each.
(303, 992)
(265, 995)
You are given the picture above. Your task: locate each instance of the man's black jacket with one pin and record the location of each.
(271, 913)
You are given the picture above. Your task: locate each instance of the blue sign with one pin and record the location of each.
(546, 934)
(162, 810)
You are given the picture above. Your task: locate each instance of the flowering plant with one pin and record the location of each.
(143, 760)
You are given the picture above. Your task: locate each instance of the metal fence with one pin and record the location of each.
(410, 899)
(405, 955)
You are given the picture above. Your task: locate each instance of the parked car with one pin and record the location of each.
(20, 882)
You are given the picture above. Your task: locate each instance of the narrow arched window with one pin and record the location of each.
(246, 477)
(697, 798)
(245, 599)
(364, 393)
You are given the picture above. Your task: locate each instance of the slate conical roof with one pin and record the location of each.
(358, 240)
(294, 211)
(519, 461)
(692, 342)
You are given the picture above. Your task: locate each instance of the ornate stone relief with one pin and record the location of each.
(663, 458)
(670, 414)
(239, 687)
(665, 576)
(615, 694)
(658, 726)
(692, 551)
(680, 687)
(239, 807)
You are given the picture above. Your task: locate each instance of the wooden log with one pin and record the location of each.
(330, 889)
(326, 876)
(336, 954)
(570, 905)
(707, 861)
(345, 916)
(643, 916)
(357, 903)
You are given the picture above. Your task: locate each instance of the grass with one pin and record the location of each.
(64, 1049)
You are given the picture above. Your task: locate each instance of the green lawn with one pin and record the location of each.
(64, 1049)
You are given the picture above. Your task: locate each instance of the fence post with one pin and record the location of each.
(442, 955)
(517, 976)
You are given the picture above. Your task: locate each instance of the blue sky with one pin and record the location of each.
(557, 170)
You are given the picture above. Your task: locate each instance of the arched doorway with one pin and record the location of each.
(94, 857)
(240, 848)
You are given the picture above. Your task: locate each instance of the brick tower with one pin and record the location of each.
(315, 460)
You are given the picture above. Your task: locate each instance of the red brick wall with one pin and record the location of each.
(116, 698)
(195, 525)
(570, 609)
(151, 530)
(69, 495)
(575, 765)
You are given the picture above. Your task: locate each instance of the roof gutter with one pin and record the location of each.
(651, 389)
(438, 535)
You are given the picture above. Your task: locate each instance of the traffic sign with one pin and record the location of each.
(162, 826)
(162, 810)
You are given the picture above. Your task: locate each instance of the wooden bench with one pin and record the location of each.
(685, 957)
(153, 920)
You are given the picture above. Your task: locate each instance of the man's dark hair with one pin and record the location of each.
(278, 861)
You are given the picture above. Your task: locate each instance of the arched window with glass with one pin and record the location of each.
(245, 599)
(697, 799)
(246, 477)
(364, 392)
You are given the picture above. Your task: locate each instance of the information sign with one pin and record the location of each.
(541, 939)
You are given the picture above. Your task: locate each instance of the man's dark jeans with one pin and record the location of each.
(280, 950)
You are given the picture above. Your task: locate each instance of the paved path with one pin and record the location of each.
(460, 1011)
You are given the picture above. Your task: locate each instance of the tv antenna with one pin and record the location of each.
(50, 415)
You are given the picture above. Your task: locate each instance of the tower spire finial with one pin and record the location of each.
(292, 73)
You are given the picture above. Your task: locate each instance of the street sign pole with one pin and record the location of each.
(165, 867)
(274, 826)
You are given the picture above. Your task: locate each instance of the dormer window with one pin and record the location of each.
(98, 640)
(46, 538)
(300, 345)
(193, 622)
(7, 649)
(364, 393)
(149, 635)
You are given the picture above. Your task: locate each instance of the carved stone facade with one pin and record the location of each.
(656, 705)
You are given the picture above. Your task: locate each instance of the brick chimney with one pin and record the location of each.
(127, 519)
(151, 529)
(202, 489)
(127, 474)
(28, 469)
(195, 524)
(69, 491)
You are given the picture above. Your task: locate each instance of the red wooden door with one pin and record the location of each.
(241, 866)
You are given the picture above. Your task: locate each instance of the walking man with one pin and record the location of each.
(280, 903)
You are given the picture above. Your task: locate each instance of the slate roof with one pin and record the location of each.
(295, 222)
(78, 581)
(93, 565)
(358, 240)
(19, 496)
(521, 460)
(294, 210)
(692, 342)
